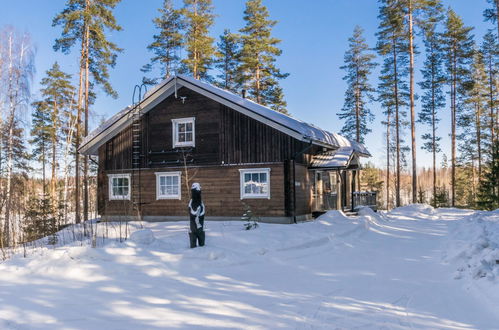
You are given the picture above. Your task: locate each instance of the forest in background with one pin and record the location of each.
(45, 184)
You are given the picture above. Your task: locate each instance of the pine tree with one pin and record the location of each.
(58, 95)
(433, 98)
(85, 22)
(227, 61)
(40, 132)
(258, 73)
(393, 90)
(490, 14)
(199, 18)
(416, 11)
(472, 117)
(490, 51)
(458, 44)
(358, 66)
(488, 191)
(167, 42)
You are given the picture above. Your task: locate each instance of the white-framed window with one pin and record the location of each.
(168, 185)
(119, 186)
(255, 183)
(184, 132)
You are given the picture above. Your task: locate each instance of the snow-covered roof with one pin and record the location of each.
(340, 158)
(291, 126)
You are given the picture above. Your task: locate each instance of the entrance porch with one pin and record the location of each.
(336, 184)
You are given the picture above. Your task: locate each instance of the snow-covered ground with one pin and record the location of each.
(414, 267)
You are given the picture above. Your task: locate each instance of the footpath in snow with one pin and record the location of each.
(414, 267)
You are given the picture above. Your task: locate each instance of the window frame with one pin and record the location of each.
(111, 178)
(245, 195)
(175, 122)
(159, 196)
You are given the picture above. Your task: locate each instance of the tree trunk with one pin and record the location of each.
(411, 95)
(357, 118)
(85, 130)
(433, 140)
(491, 104)
(44, 190)
(397, 125)
(78, 132)
(453, 128)
(8, 186)
(54, 161)
(478, 139)
(388, 160)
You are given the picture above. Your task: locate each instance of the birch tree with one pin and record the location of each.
(18, 69)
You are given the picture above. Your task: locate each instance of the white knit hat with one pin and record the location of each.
(196, 186)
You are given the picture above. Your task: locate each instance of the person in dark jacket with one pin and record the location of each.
(196, 213)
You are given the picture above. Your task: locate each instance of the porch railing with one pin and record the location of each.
(364, 198)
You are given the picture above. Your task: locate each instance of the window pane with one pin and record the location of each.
(188, 127)
(263, 177)
(188, 137)
(181, 127)
(175, 180)
(162, 190)
(181, 137)
(254, 177)
(125, 182)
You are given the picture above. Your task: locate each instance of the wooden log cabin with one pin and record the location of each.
(243, 154)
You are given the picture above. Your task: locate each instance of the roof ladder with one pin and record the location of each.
(137, 151)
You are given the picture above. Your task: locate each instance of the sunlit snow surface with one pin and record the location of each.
(414, 267)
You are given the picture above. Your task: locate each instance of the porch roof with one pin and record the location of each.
(337, 159)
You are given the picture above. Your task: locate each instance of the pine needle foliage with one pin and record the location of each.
(359, 63)
(199, 18)
(227, 61)
(167, 42)
(98, 16)
(258, 72)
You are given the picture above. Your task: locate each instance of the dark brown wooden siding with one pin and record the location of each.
(245, 140)
(221, 193)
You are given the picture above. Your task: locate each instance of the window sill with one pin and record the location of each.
(255, 197)
(168, 197)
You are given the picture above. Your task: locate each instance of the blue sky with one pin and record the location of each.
(314, 37)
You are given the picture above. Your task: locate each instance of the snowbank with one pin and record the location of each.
(474, 246)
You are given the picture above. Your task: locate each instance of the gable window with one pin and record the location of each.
(119, 186)
(183, 132)
(255, 183)
(168, 185)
